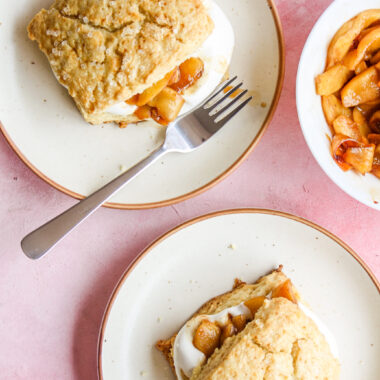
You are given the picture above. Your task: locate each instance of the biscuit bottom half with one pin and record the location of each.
(278, 341)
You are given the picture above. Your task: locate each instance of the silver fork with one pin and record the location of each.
(184, 135)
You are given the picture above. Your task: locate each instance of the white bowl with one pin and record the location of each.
(365, 189)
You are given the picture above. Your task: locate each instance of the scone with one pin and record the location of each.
(125, 60)
(256, 331)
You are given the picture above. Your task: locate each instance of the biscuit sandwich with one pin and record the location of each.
(256, 331)
(126, 61)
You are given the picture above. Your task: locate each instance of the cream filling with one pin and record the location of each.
(216, 53)
(187, 357)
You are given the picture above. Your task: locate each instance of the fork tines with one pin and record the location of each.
(221, 110)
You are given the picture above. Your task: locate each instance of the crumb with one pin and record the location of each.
(232, 246)
(32, 63)
(143, 373)
(158, 319)
(45, 100)
(263, 104)
(123, 168)
(237, 283)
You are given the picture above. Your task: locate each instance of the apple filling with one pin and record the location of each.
(211, 335)
(163, 101)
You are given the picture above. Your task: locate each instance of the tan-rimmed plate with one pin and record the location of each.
(44, 128)
(194, 262)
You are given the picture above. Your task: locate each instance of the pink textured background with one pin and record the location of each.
(50, 311)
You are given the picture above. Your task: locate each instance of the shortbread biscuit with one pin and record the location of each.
(281, 342)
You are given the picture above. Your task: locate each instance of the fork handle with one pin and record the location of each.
(41, 241)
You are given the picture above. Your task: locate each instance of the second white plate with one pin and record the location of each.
(194, 263)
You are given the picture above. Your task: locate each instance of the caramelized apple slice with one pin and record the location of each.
(239, 322)
(176, 75)
(346, 35)
(376, 162)
(360, 158)
(374, 138)
(151, 92)
(361, 122)
(168, 104)
(375, 59)
(227, 331)
(333, 107)
(190, 71)
(333, 79)
(374, 122)
(254, 304)
(362, 66)
(346, 126)
(207, 337)
(368, 45)
(285, 290)
(339, 145)
(362, 89)
(143, 112)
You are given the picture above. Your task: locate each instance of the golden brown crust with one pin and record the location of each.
(104, 52)
(280, 343)
(243, 292)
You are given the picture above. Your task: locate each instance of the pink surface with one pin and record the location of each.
(51, 310)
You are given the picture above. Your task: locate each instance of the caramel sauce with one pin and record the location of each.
(235, 93)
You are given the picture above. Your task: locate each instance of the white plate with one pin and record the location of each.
(191, 264)
(365, 189)
(45, 129)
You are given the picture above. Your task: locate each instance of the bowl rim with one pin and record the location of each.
(346, 189)
(213, 182)
(202, 218)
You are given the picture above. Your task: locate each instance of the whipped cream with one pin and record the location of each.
(121, 109)
(187, 357)
(216, 53)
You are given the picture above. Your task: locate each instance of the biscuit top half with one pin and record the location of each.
(104, 52)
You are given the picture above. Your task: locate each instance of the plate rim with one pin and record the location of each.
(347, 190)
(202, 218)
(207, 186)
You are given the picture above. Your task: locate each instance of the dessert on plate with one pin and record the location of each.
(256, 331)
(350, 90)
(125, 61)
